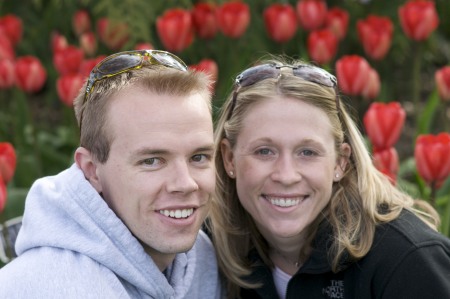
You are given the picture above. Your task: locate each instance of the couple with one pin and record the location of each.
(296, 208)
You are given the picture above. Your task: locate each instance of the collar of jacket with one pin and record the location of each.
(318, 262)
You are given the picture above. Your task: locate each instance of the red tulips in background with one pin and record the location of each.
(2, 195)
(418, 19)
(322, 46)
(81, 22)
(88, 42)
(6, 48)
(204, 19)
(442, 78)
(58, 42)
(386, 161)
(8, 161)
(144, 46)
(337, 21)
(432, 155)
(383, 123)
(12, 27)
(88, 64)
(68, 60)
(113, 34)
(68, 87)
(353, 73)
(372, 88)
(233, 18)
(30, 74)
(175, 29)
(7, 168)
(311, 13)
(7, 76)
(208, 66)
(280, 22)
(375, 34)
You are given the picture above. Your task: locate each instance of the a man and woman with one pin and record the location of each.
(299, 210)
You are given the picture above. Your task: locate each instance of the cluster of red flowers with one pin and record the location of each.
(25, 72)
(72, 62)
(326, 27)
(383, 123)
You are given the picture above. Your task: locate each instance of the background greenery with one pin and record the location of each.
(44, 132)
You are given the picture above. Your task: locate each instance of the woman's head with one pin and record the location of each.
(284, 145)
(311, 154)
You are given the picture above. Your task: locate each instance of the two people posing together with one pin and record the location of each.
(294, 205)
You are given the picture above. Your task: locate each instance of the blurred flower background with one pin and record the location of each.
(391, 58)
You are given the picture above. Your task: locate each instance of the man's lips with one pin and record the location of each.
(177, 213)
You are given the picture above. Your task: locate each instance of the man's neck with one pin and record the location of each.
(162, 260)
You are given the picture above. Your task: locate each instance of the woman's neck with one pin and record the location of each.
(285, 253)
(285, 263)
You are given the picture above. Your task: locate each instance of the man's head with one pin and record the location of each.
(147, 148)
(162, 71)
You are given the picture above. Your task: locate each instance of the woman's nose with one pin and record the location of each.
(286, 171)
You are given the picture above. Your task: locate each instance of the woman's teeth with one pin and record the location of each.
(284, 202)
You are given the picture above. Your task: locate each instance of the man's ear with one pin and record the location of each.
(342, 161)
(86, 162)
(227, 156)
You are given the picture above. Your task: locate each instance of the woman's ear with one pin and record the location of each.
(228, 158)
(342, 161)
(86, 162)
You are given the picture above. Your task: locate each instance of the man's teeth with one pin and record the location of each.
(284, 202)
(177, 213)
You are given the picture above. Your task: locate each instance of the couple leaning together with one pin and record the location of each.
(294, 205)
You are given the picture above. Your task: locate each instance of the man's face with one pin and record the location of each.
(159, 176)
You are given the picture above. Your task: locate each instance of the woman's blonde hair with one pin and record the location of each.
(363, 198)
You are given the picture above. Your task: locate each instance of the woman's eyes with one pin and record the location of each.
(307, 152)
(302, 152)
(264, 151)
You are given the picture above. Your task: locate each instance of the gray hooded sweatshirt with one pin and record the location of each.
(72, 245)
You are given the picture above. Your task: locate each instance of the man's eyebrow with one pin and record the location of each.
(159, 151)
(150, 151)
(206, 148)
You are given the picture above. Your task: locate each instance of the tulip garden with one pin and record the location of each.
(391, 59)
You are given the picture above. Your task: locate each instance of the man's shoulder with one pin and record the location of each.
(46, 272)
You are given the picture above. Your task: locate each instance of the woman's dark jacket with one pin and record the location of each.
(407, 260)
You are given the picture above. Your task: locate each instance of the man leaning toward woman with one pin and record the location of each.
(123, 221)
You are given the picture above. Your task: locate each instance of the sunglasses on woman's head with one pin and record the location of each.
(126, 61)
(270, 71)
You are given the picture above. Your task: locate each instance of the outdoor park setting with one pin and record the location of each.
(391, 60)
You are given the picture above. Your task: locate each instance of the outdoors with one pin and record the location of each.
(391, 59)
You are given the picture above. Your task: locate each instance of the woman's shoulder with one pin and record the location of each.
(405, 236)
(408, 254)
(408, 230)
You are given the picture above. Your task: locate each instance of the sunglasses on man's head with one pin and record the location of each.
(270, 71)
(129, 60)
(126, 61)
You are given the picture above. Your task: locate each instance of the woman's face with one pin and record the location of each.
(284, 163)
